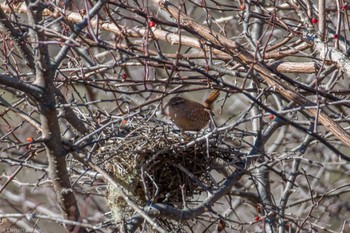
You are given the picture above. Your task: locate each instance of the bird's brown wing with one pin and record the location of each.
(198, 114)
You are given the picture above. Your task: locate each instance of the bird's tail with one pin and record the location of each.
(208, 103)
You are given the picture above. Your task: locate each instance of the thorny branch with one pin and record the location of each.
(86, 142)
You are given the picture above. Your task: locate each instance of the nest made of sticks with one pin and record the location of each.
(156, 163)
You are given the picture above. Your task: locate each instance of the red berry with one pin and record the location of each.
(335, 36)
(257, 218)
(344, 7)
(151, 24)
(242, 6)
(271, 116)
(124, 76)
(314, 20)
(29, 139)
(287, 226)
(221, 225)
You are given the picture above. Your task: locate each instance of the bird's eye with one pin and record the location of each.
(177, 101)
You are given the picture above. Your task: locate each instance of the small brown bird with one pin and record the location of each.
(190, 115)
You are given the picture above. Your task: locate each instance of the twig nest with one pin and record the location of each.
(156, 163)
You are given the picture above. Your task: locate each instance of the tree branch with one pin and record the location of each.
(244, 57)
(51, 134)
(29, 89)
